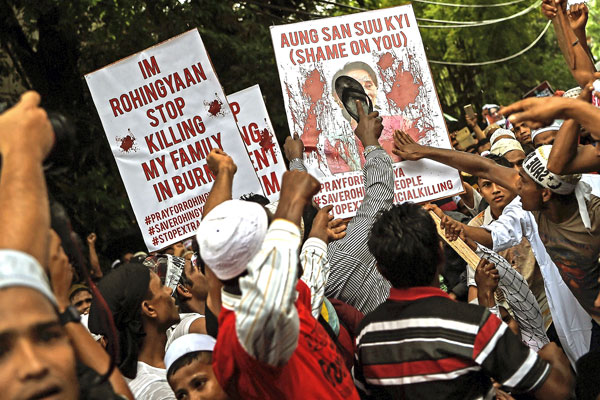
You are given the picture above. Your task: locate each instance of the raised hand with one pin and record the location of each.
(91, 239)
(550, 8)
(369, 127)
(297, 190)
(536, 111)
(219, 161)
(578, 16)
(471, 121)
(486, 276)
(25, 129)
(293, 147)
(326, 228)
(406, 147)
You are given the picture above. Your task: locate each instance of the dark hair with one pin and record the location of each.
(527, 148)
(255, 198)
(205, 357)
(405, 243)
(500, 160)
(79, 290)
(482, 142)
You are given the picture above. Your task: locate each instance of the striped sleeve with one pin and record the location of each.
(315, 271)
(267, 323)
(502, 356)
(353, 277)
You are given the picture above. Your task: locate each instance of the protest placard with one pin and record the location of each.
(382, 50)
(542, 90)
(163, 110)
(257, 133)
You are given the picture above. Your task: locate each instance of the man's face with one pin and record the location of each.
(530, 192)
(523, 133)
(367, 83)
(162, 302)
(496, 196)
(196, 381)
(36, 357)
(544, 138)
(515, 157)
(82, 300)
(199, 288)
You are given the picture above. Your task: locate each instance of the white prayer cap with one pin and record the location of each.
(501, 132)
(187, 344)
(572, 93)
(488, 106)
(555, 126)
(230, 235)
(503, 146)
(21, 269)
(535, 165)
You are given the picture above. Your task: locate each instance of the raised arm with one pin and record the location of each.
(541, 111)
(293, 148)
(26, 137)
(472, 122)
(473, 164)
(567, 157)
(94, 261)
(352, 265)
(573, 49)
(223, 167)
(267, 321)
(313, 258)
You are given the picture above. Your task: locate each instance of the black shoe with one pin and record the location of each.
(349, 90)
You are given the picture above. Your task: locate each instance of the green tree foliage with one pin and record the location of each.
(48, 45)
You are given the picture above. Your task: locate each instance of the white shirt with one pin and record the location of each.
(182, 328)
(573, 324)
(150, 383)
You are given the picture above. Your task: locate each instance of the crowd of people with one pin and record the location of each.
(283, 301)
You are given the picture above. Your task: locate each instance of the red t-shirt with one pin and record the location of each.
(315, 370)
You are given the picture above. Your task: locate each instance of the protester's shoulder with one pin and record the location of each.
(442, 309)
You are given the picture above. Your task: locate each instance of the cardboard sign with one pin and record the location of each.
(542, 90)
(383, 51)
(464, 138)
(163, 110)
(252, 118)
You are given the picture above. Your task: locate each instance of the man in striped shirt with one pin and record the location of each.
(421, 344)
(353, 277)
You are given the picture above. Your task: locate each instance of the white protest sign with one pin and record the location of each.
(255, 126)
(382, 50)
(163, 110)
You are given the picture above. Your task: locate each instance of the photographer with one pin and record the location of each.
(46, 351)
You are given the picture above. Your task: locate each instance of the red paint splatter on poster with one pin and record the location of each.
(386, 61)
(215, 107)
(313, 90)
(265, 139)
(127, 143)
(313, 86)
(404, 89)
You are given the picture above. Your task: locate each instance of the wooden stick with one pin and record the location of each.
(463, 249)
